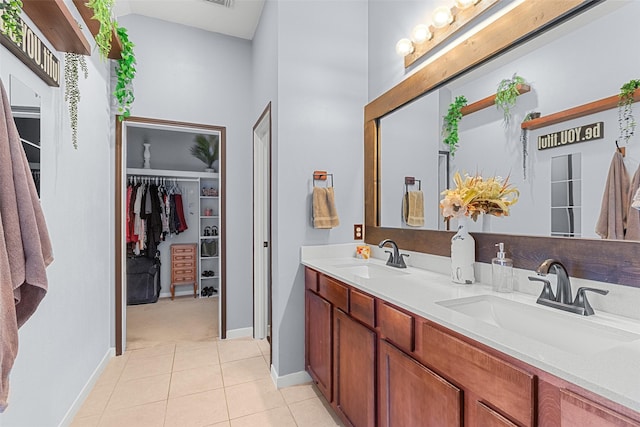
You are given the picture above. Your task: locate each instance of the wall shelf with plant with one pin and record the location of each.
(106, 36)
(491, 100)
(578, 111)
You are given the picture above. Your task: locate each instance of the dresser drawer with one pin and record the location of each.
(183, 249)
(334, 292)
(508, 389)
(176, 265)
(178, 258)
(361, 307)
(396, 326)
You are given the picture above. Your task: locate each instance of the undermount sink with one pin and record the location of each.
(572, 334)
(370, 271)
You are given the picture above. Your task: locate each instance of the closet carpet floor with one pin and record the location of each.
(199, 382)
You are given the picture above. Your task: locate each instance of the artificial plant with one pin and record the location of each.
(524, 140)
(507, 95)
(125, 71)
(11, 26)
(626, 121)
(205, 149)
(450, 130)
(102, 12)
(73, 64)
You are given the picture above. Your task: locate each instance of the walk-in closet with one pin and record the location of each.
(172, 210)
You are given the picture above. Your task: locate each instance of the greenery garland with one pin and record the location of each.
(626, 121)
(125, 71)
(507, 95)
(102, 13)
(454, 114)
(11, 10)
(524, 140)
(73, 63)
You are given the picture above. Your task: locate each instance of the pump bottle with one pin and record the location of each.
(502, 271)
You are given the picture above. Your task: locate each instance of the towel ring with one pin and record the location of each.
(410, 180)
(322, 176)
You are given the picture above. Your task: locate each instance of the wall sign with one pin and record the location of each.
(571, 136)
(33, 52)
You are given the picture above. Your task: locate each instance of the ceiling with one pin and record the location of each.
(240, 19)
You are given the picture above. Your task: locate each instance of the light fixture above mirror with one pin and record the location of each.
(445, 21)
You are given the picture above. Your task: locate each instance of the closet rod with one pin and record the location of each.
(177, 178)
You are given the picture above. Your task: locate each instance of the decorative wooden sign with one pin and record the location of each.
(571, 136)
(35, 55)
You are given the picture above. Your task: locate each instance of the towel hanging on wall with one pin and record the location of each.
(25, 248)
(615, 201)
(633, 216)
(413, 208)
(325, 214)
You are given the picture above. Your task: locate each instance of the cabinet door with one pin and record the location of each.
(577, 411)
(318, 342)
(412, 395)
(354, 371)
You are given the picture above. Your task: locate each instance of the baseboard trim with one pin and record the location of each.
(84, 393)
(296, 378)
(239, 333)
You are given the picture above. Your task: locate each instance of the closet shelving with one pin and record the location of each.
(209, 216)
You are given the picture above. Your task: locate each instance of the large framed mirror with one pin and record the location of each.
(402, 138)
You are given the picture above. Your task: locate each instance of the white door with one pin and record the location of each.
(261, 226)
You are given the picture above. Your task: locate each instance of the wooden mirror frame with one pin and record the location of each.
(610, 261)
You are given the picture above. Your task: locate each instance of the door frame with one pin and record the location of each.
(120, 250)
(266, 115)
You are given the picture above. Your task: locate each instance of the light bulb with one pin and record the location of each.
(404, 47)
(463, 4)
(420, 33)
(441, 17)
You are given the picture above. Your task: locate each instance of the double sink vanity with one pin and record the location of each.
(405, 346)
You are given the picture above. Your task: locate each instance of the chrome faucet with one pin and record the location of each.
(395, 258)
(562, 299)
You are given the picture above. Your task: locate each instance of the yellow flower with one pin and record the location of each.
(474, 196)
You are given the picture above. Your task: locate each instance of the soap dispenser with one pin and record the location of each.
(502, 271)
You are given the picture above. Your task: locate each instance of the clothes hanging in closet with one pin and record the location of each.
(153, 212)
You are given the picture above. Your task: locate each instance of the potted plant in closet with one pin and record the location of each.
(206, 149)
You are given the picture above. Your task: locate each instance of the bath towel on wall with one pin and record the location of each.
(615, 201)
(25, 249)
(325, 214)
(413, 208)
(633, 216)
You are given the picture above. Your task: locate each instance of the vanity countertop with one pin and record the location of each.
(612, 373)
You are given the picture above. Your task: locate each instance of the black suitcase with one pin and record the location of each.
(143, 280)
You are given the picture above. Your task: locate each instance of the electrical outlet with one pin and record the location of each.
(358, 232)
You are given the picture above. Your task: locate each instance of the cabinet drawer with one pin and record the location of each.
(311, 279)
(578, 411)
(177, 265)
(487, 417)
(361, 307)
(334, 292)
(187, 257)
(396, 326)
(183, 249)
(502, 385)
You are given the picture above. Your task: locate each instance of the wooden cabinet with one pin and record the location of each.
(412, 395)
(318, 342)
(184, 267)
(354, 372)
(578, 411)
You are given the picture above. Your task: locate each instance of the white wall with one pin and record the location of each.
(191, 75)
(321, 93)
(69, 335)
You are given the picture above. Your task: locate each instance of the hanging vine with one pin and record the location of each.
(102, 13)
(125, 71)
(11, 23)
(626, 121)
(507, 96)
(454, 114)
(73, 64)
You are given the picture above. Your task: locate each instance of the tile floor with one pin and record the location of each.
(212, 383)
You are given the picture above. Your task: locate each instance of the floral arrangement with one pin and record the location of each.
(474, 195)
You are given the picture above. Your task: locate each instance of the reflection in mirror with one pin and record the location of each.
(566, 195)
(25, 107)
(568, 66)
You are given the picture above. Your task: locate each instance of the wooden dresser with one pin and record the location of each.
(184, 267)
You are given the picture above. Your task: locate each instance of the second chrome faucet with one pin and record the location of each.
(562, 299)
(396, 259)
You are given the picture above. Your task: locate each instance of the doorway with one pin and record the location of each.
(194, 183)
(262, 226)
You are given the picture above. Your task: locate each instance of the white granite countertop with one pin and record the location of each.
(613, 373)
